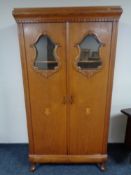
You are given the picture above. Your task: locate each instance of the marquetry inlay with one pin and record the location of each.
(47, 111)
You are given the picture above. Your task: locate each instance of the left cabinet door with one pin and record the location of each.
(46, 69)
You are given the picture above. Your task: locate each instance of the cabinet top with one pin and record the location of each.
(67, 14)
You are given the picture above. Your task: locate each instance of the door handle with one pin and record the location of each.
(71, 99)
(68, 99)
(64, 100)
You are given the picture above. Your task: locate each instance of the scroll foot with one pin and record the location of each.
(102, 166)
(33, 167)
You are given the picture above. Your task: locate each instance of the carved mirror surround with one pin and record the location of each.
(88, 61)
(46, 60)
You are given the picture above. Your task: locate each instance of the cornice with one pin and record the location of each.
(67, 14)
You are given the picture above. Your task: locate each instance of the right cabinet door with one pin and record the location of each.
(89, 59)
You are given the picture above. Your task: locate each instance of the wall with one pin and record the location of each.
(12, 109)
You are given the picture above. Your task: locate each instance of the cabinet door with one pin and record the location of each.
(45, 53)
(89, 53)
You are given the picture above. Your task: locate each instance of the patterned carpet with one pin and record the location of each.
(13, 161)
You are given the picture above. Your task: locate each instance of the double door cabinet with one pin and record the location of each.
(67, 59)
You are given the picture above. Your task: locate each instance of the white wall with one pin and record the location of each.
(12, 109)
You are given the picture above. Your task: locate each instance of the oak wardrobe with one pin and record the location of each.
(68, 57)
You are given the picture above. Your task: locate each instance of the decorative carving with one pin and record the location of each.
(88, 61)
(71, 19)
(46, 61)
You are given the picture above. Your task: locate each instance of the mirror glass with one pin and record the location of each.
(89, 53)
(45, 54)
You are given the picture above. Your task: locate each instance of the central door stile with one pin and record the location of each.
(68, 89)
